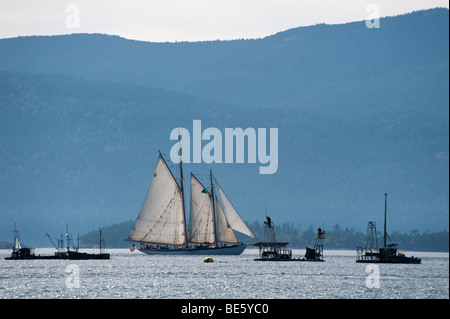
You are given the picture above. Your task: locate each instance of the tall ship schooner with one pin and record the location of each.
(161, 227)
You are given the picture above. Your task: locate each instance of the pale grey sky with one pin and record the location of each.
(188, 20)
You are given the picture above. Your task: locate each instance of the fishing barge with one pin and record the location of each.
(26, 253)
(386, 254)
(272, 250)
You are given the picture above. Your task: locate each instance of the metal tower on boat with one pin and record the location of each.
(386, 254)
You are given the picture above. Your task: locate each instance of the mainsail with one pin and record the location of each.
(161, 218)
(201, 218)
(234, 220)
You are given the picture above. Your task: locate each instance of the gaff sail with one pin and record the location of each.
(161, 218)
(201, 220)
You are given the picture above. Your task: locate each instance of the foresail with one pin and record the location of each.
(201, 223)
(234, 220)
(224, 233)
(161, 218)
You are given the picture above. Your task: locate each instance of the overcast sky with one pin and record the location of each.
(189, 20)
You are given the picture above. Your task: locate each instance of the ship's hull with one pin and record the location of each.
(74, 255)
(393, 260)
(35, 257)
(26, 254)
(385, 256)
(226, 250)
(284, 259)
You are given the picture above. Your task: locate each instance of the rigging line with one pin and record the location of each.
(42, 240)
(164, 154)
(93, 248)
(394, 217)
(200, 172)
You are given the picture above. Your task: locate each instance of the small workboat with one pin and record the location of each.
(386, 254)
(272, 250)
(26, 253)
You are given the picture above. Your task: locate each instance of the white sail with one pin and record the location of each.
(201, 223)
(17, 244)
(234, 220)
(224, 232)
(161, 218)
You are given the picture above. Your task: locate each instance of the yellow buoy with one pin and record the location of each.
(208, 260)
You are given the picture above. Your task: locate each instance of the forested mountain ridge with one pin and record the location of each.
(289, 69)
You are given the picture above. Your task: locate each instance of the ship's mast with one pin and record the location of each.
(100, 241)
(385, 208)
(182, 192)
(214, 208)
(16, 235)
(67, 237)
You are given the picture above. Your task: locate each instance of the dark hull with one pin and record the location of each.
(73, 255)
(227, 250)
(26, 254)
(35, 257)
(386, 255)
(394, 260)
(283, 259)
(78, 256)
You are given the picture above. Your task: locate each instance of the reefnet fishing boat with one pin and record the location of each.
(386, 254)
(161, 227)
(25, 253)
(272, 250)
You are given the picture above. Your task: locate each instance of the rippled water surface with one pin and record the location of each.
(136, 275)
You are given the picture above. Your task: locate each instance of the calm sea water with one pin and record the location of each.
(136, 275)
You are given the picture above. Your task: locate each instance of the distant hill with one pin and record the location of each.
(5, 245)
(360, 112)
(113, 235)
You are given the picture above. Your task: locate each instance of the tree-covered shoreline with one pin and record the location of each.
(337, 237)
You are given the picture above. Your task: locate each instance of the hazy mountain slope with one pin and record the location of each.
(82, 152)
(289, 69)
(359, 111)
